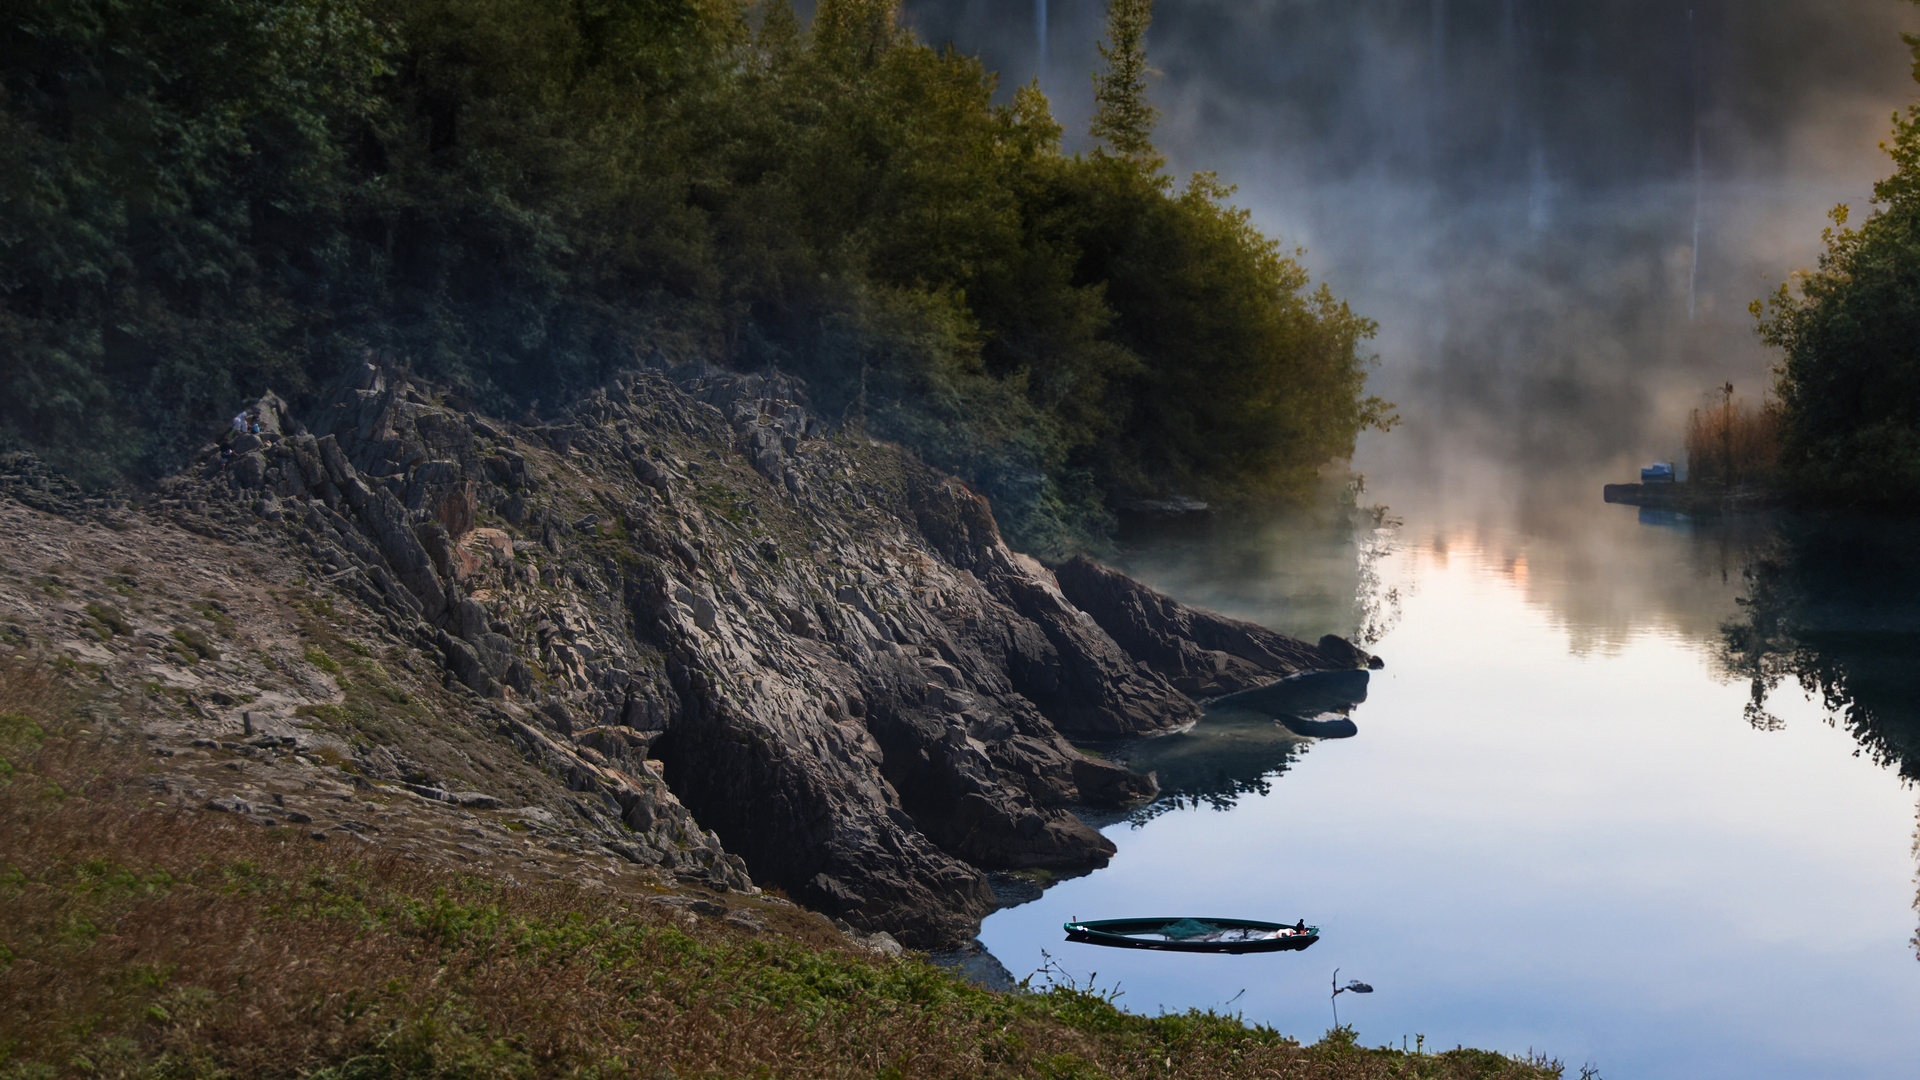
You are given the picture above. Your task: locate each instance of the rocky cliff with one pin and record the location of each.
(686, 627)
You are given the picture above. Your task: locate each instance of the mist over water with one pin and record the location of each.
(1558, 213)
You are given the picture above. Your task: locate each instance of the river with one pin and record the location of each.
(1565, 822)
(1558, 826)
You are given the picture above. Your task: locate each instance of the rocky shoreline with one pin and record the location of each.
(687, 633)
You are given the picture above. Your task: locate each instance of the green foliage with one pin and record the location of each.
(110, 619)
(1849, 383)
(519, 196)
(1122, 117)
(174, 171)
(18, 729)
(196, 642)
(1248, 381)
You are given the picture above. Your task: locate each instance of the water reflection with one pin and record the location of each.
(1606, 574)
(1323, 727)
(1830, 604)
(1306, 570)
(1833, 604)
(1665, 519)
(1225, 758)
(1244, 744)
(1827, 603)
(1554, 745)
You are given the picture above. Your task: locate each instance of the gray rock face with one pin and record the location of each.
(1204, 655)
(753, 646)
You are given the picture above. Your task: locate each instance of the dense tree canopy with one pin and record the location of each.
(205, 197)
(1849, 383)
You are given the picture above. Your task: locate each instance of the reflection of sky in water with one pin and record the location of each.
(1555, 828)
(1539, 843)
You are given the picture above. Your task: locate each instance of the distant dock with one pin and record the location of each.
(1688, 498)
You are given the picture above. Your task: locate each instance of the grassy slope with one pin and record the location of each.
(137, 941)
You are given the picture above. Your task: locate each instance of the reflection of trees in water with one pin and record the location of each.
(1220, 792)
(1229, 756)
(1304, 570)
(1834, 606)
(1376, 604)
(1307, 570)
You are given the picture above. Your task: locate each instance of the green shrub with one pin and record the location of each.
(196, 643)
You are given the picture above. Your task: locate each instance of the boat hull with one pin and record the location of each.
(1120, 934)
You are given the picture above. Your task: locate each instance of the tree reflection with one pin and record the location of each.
(1306, 570)
(1229, 756)
(1834, 606)
(1245, 742)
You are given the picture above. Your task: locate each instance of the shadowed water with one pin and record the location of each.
(1244, 745)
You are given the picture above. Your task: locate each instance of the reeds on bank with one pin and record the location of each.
(1730, 442)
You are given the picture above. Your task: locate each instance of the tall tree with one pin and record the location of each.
(1849, 382)
(1124, 119)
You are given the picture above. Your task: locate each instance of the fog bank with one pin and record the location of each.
(1557, 213)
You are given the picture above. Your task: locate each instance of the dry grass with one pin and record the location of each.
(137, 941)
(1731, 442)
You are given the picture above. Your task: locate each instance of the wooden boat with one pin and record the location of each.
(1204, 935)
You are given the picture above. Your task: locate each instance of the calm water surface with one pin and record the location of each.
(1565, 822)
(1559, 826)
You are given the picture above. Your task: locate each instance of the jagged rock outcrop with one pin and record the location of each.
(1202, 654)
(692, 604)
(298, 708)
